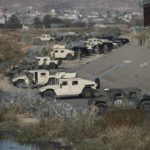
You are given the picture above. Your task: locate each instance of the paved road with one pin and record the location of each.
(128, 66)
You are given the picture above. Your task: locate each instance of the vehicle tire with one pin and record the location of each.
(69, 57)
(49, 94)
(20, 84)
(97, 81)
(87, 93)
(101, 109)
(97, 110)
(52, 66)
(56, 66)
(145, 107)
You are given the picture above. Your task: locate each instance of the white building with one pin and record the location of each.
(1, 12)
(2, 20)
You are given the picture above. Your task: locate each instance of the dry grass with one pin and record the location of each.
(108, 132)
(10, 48)
(125, 130)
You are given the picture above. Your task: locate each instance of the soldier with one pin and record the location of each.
(105, 50)
(53, 55)
(50, 53)
(30, 77)
(79, 54)
(45, 52)
(97, 49)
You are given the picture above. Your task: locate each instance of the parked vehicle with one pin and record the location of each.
(45, 38)
(36, 78)
(48, 63)
(60, 52)
(70, 87)
(121, 98)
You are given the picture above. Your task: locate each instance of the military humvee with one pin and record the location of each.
(60, 52)
(25, 65)
(124, 98)
(48, 63)
(45, 38)
(93, 43)
(36, 78)
(70, 87)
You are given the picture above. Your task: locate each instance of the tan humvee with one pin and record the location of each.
(106, 40)
(70, 87)
(93, 41)
(45, 38)
(60, 52)
(90, 43)
(47, 61)
(35, 78)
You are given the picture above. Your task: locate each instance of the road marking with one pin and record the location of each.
(144, 64)
(116, 67)
(127, 61)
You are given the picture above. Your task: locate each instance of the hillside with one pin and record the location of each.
(128, 5)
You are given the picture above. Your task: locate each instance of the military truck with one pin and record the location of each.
(120, 98)
(70, 87)
(25, 65)
(45, 38)
(36, 78)
(48, 63)
(110, 45)
(80, 48)
(93, 44)
(60, 52)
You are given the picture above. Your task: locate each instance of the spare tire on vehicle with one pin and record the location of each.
(97, 81)
(52, 66)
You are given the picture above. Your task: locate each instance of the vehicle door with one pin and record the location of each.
(120, 101)
(40, 61)
(133, 99)
(45, 62)
(75, 87)
(62, 53)
(64, 88)
(56, 53)
(42, 78)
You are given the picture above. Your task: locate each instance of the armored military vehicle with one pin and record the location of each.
(48, 63)
(94, 44)
(70, 87)
(60, 52)
(45, 38)
(124, 98)
(79, 47)
(36, 78)
(25, 65)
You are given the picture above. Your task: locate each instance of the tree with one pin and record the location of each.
(37, 23)
(47, 21)
(13, 22)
